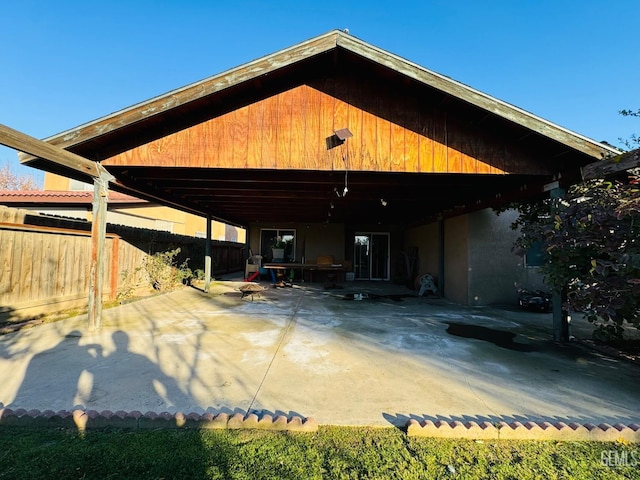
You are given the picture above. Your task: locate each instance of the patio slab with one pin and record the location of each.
(306, 351)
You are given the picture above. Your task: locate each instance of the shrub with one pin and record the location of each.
(163, 272)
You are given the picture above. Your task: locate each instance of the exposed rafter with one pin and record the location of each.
(612, 166)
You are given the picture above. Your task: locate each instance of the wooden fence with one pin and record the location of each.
(45, 264)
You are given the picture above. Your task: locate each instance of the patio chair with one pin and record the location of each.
(252, 265)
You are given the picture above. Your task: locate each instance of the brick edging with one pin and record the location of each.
(83, 420)
(524, 431)
(93, 420)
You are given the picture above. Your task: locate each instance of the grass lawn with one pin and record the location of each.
(332, 452)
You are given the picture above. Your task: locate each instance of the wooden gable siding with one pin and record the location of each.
(289, 131)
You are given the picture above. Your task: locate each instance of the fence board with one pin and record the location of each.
(46, 268)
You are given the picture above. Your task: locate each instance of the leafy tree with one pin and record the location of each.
(592, 242)
(11, 181)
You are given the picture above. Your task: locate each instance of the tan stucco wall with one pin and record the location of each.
(426, 239)
(324, 239)
(495, 272)
(456, 259)
(55, 182)
(148, 215)
(317, 238)
(492, 266)
(480, 268)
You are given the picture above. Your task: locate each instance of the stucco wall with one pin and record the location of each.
(480, 268)
(495, 272)
(322, 239)
(456, 253)
(316, 238)
(426, 239)
(153, 217)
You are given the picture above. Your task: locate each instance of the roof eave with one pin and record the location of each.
(180, 96)
(475, 97)
(305, 50)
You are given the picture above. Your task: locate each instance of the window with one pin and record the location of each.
(268, 238)
(535, 255)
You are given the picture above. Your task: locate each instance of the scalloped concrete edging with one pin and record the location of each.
(524, 431)
(93, 420)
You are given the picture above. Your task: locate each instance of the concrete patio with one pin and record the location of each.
(317, 353)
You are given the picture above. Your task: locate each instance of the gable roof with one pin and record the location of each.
(322, 44)
(243, 195)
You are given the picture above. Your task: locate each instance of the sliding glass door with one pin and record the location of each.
(371, 256)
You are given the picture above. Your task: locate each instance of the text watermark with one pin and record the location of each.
(620, 458)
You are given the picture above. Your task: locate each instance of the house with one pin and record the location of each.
(347, 152)
(64, 197)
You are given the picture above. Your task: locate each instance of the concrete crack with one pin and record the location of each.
(291, 321)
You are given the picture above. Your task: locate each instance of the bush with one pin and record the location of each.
(163, 272)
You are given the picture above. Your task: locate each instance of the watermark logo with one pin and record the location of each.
(620, 458)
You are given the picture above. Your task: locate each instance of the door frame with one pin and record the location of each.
(370, 235)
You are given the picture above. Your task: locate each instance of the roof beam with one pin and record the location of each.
(612, 166)
(32, 146)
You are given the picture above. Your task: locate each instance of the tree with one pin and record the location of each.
(11, 181)
(633, 141)
(592, 243)
(593, 249)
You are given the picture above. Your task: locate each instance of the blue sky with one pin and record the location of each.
(64, 63)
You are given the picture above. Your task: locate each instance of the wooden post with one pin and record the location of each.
(32, 146)
(207, 256)
(98, 247)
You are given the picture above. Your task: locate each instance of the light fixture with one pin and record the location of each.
(383, 202)
(338, 138)
(343, 134)
(346, 182)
